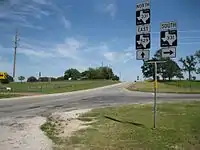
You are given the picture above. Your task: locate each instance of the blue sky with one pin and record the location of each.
(59, 34)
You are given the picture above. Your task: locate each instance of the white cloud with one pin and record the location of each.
(66, 22)
(108, 7)
(111, 9)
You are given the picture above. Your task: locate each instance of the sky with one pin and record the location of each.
(55, 35)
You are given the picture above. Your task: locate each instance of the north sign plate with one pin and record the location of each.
(142, 6)
(142, 54)
(169, 52)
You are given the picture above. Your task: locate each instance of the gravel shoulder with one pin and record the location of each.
(23, 134)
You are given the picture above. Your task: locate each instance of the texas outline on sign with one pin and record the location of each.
(143, 17)
(168, 38)
(143, 41)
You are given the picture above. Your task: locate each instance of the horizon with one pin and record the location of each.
(56, 36)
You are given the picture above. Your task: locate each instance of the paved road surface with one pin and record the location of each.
(114, 95)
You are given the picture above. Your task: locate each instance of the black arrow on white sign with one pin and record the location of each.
(169, 52)
(142, 54)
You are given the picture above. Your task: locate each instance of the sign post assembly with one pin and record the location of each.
(143, 37)
(168, 39)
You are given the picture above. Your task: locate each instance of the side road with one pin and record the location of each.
(123, 84)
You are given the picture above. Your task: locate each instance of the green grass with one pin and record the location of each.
(8, 95)
(192, 87)
(178, 128)
(57, 87)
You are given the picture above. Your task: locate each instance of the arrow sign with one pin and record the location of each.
(142, 54)
(169, 52)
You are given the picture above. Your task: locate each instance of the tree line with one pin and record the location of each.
(170, 68)
(72, 74)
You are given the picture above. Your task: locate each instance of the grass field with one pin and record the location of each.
(54, 87)
(168, 87)
(177, 128)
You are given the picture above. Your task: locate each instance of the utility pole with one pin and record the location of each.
(15, 53)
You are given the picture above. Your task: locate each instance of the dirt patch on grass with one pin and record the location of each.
(62, 125)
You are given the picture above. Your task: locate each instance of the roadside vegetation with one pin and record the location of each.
(174, 86)
(172, 69)
(72, 80)
(130, 127)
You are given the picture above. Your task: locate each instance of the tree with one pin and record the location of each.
(197, 56)
(21, 78)
(180, 75)
(169, 69)
(72, 73)
(189, 65)
(115, 78)
(32, 79)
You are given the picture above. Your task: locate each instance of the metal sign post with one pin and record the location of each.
(155, 90)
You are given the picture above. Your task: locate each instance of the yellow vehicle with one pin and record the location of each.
(3, 75)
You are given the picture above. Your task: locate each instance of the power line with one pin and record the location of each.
(15, 52)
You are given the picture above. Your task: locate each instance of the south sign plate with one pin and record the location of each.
(143, 29)
(168, 26)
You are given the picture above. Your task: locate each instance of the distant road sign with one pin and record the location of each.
(143, 41)
(142, 54)
(165, 26)
(3, 75)
(169, 52)
(143, 29)
(168, 38)
(143, 17)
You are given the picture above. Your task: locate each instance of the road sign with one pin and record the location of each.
(143, 41)
(143, 29)
(168, 38)
(3, 75)
(142, 6)
(143, 17)
(165, 26)
(169, 52)
(142, 54)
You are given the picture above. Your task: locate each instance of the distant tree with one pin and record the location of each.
(21, 78)
(189, 65)
(72, 73)
(115, 78)
(197, 56)
(32, 79)
(60, 78)
(10, 78)
(193, 78)
(180, 75)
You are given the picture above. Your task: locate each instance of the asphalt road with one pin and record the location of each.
(114, 95)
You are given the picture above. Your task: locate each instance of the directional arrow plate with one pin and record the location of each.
(142, 54)
(169, 52)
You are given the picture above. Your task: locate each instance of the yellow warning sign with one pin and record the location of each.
(3, 75)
